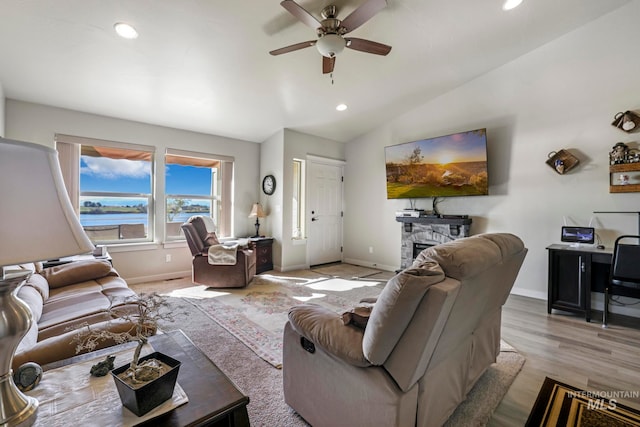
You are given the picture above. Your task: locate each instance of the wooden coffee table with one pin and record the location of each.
(213, 399)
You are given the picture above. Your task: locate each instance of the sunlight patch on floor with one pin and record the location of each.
(310, 298)
(297, 280)
(196, 292)
(341, 285)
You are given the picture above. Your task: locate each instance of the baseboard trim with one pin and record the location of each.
(370, 264)
(529, 293)
(291, 268)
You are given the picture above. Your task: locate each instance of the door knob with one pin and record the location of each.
(314, 219)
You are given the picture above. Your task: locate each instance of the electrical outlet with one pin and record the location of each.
(370, 249)
(167, 258)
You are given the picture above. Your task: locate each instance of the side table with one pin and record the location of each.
(264, 253)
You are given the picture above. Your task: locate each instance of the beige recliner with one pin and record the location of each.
(432, 333)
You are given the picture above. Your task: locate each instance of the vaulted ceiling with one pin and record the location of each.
(203, 65)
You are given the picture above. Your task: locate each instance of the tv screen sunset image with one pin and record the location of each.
(451, 165)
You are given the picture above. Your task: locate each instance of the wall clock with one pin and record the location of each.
(269, 185)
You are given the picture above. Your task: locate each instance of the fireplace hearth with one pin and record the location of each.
(423, 232)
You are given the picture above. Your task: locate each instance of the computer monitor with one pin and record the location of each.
(578, 235)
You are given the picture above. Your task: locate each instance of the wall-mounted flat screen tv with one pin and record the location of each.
(450, 165)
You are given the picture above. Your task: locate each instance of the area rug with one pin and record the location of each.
(256, 315)
(560, 404)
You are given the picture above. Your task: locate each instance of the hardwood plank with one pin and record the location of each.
(569, 349)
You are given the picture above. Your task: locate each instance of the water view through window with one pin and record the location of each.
(116, 194)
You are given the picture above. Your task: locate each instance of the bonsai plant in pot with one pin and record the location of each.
(147, 381)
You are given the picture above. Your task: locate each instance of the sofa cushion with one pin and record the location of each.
(325, 329)
(395, 307)
(81, 300)
(75, 272)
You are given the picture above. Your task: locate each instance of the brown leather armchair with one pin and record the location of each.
(213, 275)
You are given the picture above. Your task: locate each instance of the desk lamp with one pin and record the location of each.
(37, 222)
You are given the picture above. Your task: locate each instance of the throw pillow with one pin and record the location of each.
(40, 284)
(76, 272)
(358, 316)
(211, 239)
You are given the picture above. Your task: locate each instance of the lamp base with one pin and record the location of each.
(16, 409)
(257, 228)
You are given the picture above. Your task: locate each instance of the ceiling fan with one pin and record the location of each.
(331, 31)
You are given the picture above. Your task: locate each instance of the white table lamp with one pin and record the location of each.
(37, 223)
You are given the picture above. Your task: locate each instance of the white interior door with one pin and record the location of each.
(324, 212)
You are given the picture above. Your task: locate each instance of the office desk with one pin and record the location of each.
(575, 272)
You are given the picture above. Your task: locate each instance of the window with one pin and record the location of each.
(194, 185)
(112, 187)
(297, 216)
(115, 200)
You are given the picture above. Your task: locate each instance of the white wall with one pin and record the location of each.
(271, 163)
(39, 124)
(562, 95)
(276, 158)
(2, 108)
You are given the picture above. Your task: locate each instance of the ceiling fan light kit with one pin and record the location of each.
(331, 31)
(330, 45)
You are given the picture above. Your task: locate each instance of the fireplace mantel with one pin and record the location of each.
(433, 220)
(425, 231)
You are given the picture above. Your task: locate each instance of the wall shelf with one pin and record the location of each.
(621, 168)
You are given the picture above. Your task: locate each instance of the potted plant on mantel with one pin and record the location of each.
(147, 381)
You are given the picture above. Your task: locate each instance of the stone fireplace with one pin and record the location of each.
(423, 232)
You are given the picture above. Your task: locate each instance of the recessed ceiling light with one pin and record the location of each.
(125, 31)
(341, 107)
(511, 4)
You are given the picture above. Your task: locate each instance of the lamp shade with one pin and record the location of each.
(256, 211)
(37, 220)
(330, 45)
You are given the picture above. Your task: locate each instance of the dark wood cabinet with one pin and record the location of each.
(574, 272)
(264, 254)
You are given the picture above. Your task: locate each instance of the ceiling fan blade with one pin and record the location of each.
(368, 46)
(293, 47)
(362, 14)
(296, 10)
(328, 64)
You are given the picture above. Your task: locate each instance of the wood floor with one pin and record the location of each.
(565, 347)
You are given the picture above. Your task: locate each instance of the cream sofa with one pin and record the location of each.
(431, 334)
(62, 297)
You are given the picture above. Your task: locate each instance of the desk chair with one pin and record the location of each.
(624, 279)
